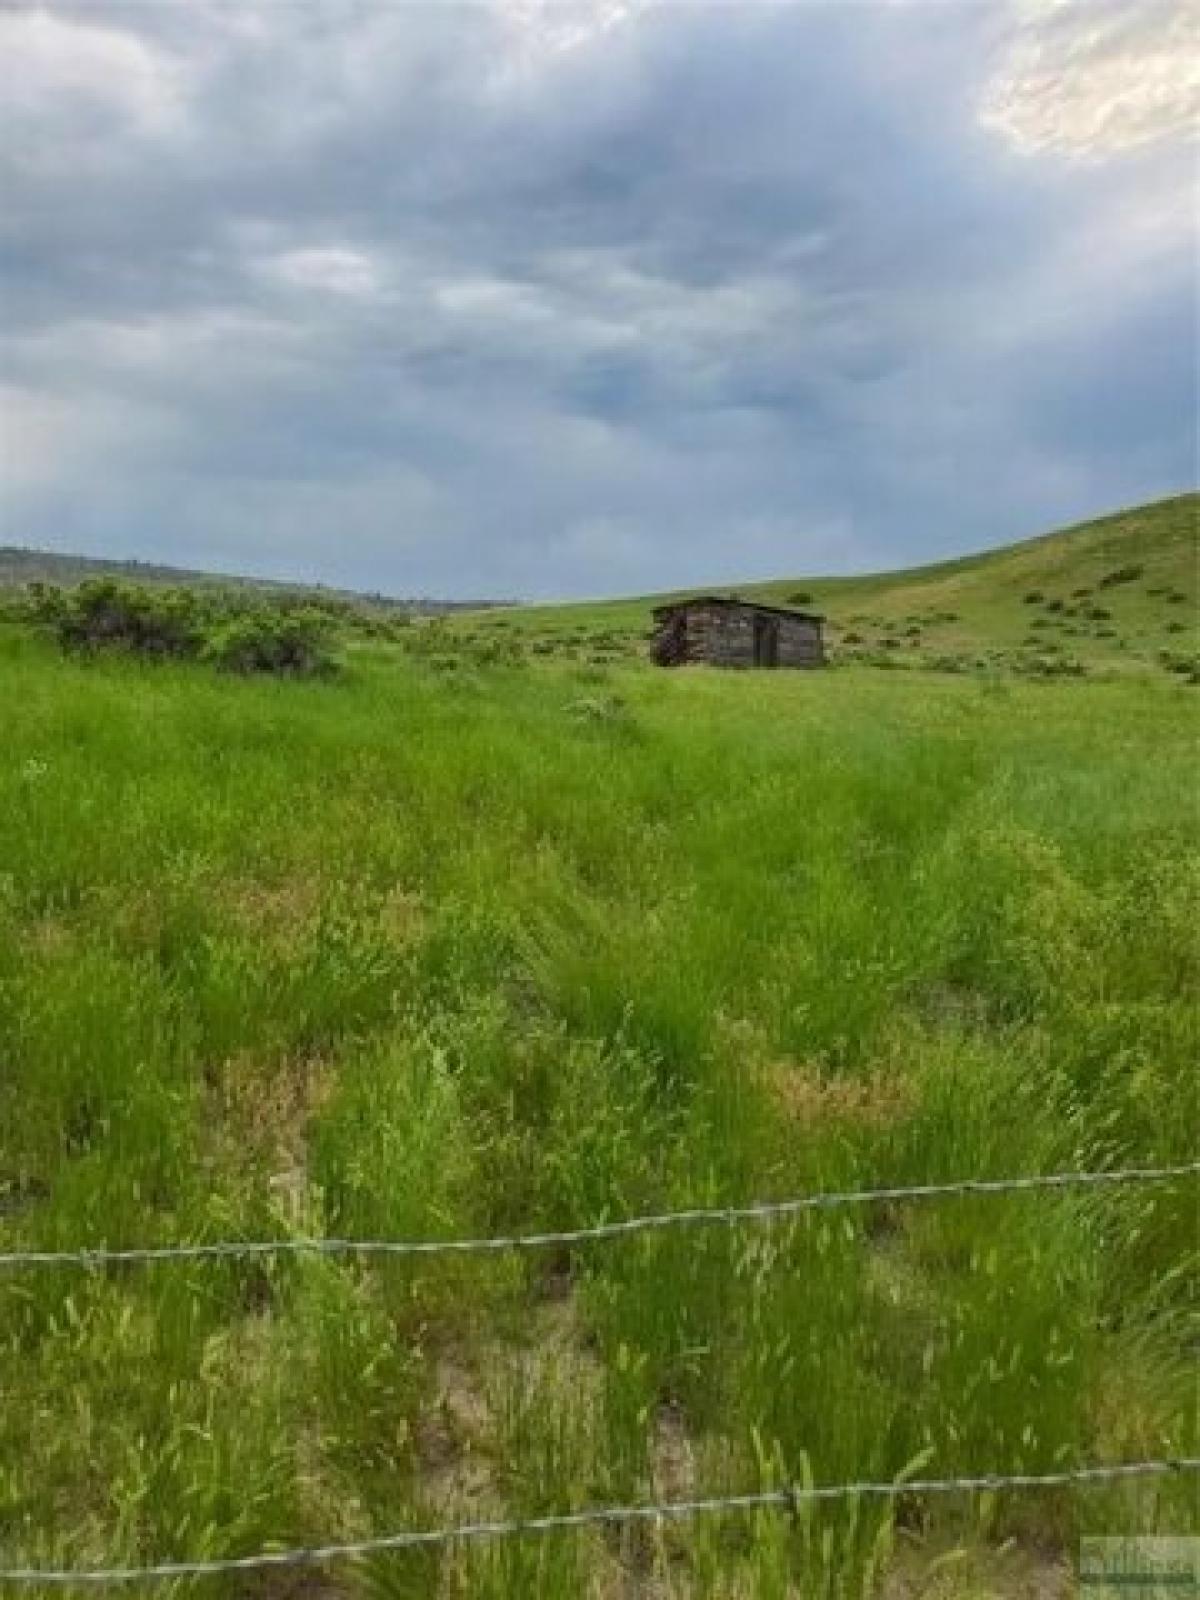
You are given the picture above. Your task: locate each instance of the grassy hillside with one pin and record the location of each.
(534, 943)
(1113, 594)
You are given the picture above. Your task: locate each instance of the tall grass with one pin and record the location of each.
(426, 953)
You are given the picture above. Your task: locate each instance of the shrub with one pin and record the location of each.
(1054, 605)
(1126, 574)
(294, 644)
(800, 597)
(1053, 666)
(105, 612)
(45, 602)
(1098, 614)
(1034, 597)
(220, 626)
(598, 708)
(1185, 665)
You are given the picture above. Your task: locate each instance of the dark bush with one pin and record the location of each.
(105, 612)
(45, 602)
(800, 597)
(296, 644)
(1053, 667)
(1034, 597)
(1127, 574)
(1187, 666)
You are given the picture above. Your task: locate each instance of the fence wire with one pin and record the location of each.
(763, 1211)
(790, 1498)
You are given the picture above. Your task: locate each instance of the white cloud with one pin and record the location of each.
(49, 59)
(553, 27)
(332, 269)
(1091, 78)
(48, 437)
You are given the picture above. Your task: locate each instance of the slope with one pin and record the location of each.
(1116, 591)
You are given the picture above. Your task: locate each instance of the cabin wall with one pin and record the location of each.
(800, 643)
(721, 637)
(725, 638)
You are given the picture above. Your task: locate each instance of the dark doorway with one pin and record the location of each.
(766, 641)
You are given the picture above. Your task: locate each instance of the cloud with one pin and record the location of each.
(60, 68)
(551, 299)
(332, 269)
(1091, 78)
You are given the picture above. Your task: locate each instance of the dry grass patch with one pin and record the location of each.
(1010, 1572)
(809, 1098)
(275, 913)
(260, 1111)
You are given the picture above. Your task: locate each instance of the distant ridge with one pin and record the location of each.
(20, 566)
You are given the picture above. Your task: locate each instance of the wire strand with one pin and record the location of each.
(788, 1498)
(763, 1211)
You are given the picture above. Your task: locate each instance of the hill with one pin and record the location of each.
(19, 566)
(1113, 592)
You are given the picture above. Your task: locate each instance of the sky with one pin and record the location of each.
(540, 299)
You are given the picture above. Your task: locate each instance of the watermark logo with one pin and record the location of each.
(1139, 1569)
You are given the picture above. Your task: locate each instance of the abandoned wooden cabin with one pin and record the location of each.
(735, 633)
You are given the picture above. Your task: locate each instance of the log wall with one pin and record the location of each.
(725, 637)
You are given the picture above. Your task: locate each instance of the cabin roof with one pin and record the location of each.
(730, 602)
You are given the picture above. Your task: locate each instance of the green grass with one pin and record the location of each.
(427, 952)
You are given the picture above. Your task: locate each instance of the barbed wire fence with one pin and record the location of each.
(788, 1498)
(791, 1498)
(703, 1217)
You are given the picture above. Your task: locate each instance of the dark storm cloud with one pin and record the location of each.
(549, 301)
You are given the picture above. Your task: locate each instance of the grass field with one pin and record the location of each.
(422, 952)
